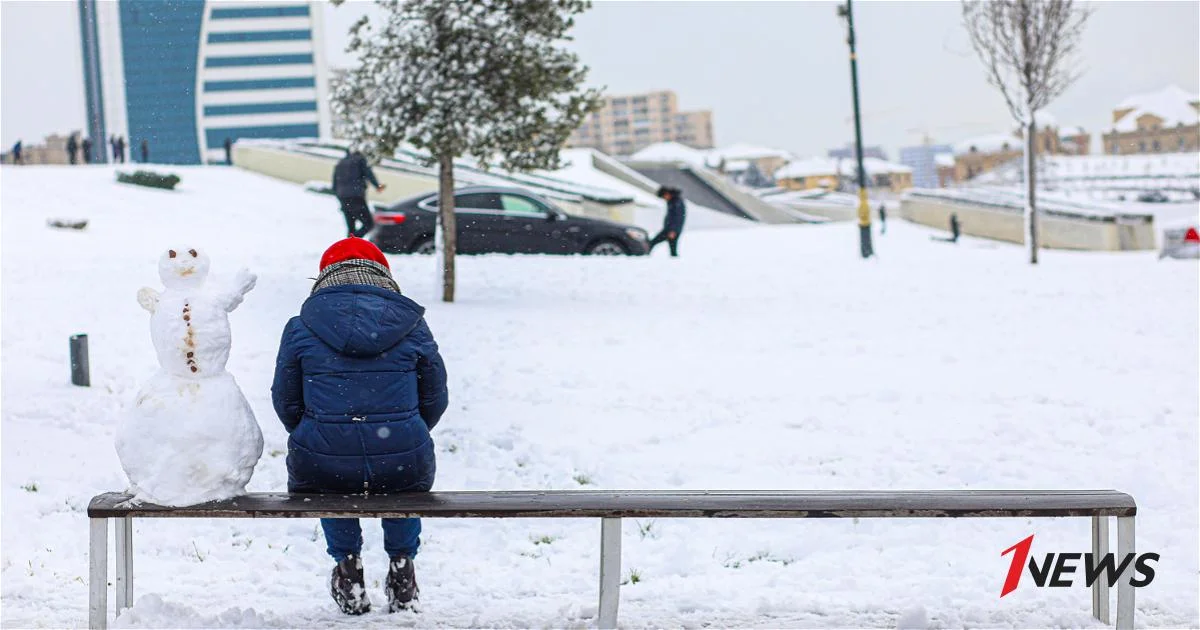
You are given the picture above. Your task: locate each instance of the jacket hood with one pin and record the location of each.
(359, 320)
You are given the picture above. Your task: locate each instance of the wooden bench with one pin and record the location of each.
(610, 507)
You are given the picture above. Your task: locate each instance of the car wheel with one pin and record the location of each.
(605, 248)
(425, 246)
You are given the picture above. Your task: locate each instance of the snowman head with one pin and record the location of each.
(183, 267)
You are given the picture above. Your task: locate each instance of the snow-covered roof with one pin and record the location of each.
(1045, 119)
(809, 167)
(988, 144)
(1172, 104)
(817, 166)
(670, 152)
(736, 166)
(742, 151)
(1070, 132)
(944, 159)
(876, 166)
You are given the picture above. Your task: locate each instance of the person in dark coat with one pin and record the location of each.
(72, 149)
(112, 146)
(882, 219)
(16, 152)
(145, 151)
(673, 222)
(954, 227)
(229, 151)
(121, 149)
(350, 178)
(359, 385)
(87, 150)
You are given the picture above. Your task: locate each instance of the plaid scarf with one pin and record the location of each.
(356, 271)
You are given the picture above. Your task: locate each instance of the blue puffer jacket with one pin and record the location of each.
(358, 385)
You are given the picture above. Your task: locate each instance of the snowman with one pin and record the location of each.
(191, 436)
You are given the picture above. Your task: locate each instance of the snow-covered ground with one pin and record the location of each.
(763, 358)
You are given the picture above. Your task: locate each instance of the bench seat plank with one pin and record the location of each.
(641, 504)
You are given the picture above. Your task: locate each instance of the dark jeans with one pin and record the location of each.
(673, 243)
(356, 211)
(343, 536)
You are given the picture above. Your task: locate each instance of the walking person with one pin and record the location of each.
(87, 150)
(955, 228)
(350, 178)
(673, 222)
(121, 149)
(359, 384)
(145, 151)
(16, 152)
(112, 146)
(72, 148)
(229, 151)
(882, 219)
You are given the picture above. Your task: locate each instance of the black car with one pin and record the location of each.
(1153, 196)
(503, 221)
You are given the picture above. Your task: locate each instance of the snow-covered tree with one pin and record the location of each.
(485, 79)
(1028, 47)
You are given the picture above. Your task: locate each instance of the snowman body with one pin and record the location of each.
(190, 437)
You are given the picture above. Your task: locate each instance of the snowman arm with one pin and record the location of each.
(148, 298)
(244, 282)
(287, 391)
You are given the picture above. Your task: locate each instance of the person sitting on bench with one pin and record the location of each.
(359, 384)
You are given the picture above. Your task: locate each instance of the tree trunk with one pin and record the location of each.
(1031, 217)
(446, 221)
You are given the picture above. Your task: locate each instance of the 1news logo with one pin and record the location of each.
(1056, 565)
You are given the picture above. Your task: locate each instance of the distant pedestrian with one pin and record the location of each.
(229, 151)
(72, 148)
(121, 149)
(673, 222)
(954, 227)
(87, 150)
(882, 219)
(112, 146)
(350, 178)
(16, 152)
(145, 151)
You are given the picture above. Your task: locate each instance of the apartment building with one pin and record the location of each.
(627, 124)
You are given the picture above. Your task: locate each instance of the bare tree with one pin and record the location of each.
(1029, 48)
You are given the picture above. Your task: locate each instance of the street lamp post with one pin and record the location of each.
(846, 11)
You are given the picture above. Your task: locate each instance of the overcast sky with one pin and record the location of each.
(773, 73)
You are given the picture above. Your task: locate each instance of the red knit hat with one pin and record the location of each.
(351, 248)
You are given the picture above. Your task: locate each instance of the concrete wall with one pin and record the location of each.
(303, 167)
(1056, 232)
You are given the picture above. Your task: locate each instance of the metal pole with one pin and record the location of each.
(124, 539)
(98, 573)
(610, 572)
(1100, 595)
(864, 210)
(80, 368)
(1126, 546)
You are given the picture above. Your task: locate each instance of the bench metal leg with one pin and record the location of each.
(1126, 546)
(1100, 597)
(124, 539)
(98, 574)
(610, 572)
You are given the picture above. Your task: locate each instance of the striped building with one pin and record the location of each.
(185, 75)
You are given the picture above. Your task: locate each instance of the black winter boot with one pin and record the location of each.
(401, 584)
(347, 587)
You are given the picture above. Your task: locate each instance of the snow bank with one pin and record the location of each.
(762, 358)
